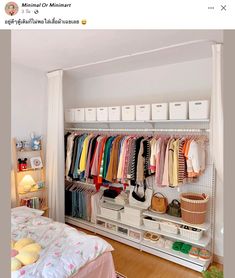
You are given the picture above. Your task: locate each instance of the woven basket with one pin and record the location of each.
(194, 235)
(169, 227)
(194, 207)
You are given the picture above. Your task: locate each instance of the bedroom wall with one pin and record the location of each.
(28, 105)
(182, 81)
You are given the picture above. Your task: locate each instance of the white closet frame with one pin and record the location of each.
(206, 182)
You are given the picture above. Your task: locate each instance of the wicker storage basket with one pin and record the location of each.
(194, 235)
(151, 223)
(169, 227)
(194, 207)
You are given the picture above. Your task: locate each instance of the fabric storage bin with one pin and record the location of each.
(199, 109)
(90, 114)
(142, 112)
(136, 212)
(128, 112)
(122, 230)
(79, 115)
(194, 207)
(169, 227)
(151, 223)
(130, 219)
(69, 115)
(100, 223)
(114, 113)
(178, 110)
(160, 111)
(102, 114)
(110, 213)
(190, 234)
(111, 227)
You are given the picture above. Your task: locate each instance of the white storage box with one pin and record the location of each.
(128, 112)
(142, 112)
(69, 115)
(79, 115)
(151, 223)
(179, 110)
(129, 219)
(102, 114)
(136, 212)
(114, 113)
(90, 114)
(110, 213)
(160, 111)
(134, 234)
(199, 109)
(169, 227)
(190, 234)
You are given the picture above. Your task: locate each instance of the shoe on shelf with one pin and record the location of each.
(185, 248)
(168, 244)
(147, 236)
(194, 252)
(177, 245)
(204, 255)
(154, 238)
(161, 242)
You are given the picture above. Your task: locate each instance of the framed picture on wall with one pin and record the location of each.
(36, 162)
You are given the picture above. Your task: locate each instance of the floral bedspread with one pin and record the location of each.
(64, 249)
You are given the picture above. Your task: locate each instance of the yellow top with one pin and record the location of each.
(82, 164)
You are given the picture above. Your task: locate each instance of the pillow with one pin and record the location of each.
(22, 243)
(15, 264)
(27, 257)
(33, 247)
(22, 214)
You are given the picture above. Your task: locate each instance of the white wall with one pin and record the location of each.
(28, 105)
(182, 81)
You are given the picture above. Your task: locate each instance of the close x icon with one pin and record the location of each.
(223, 7)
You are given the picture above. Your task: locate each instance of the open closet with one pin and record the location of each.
(93, 93)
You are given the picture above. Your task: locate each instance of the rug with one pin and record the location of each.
(119, 275)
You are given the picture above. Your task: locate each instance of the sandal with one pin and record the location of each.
(154, 238)
(147, 236)
(168, 244)
(204, 255)
(177, 245)
(185, 248)
(194, 252)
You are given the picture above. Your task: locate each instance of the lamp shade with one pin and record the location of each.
(27, 182)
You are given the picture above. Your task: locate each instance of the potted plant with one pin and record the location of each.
(213, 272)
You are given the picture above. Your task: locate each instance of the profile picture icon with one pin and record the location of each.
(11, 8)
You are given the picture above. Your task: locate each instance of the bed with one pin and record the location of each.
(66, 252)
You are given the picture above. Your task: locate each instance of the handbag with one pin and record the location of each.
(159, 203)
(141, 201)
(174, 208)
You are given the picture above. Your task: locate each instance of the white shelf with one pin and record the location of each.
(203, 242)
(119, 222)
(177, 254)
(148, 121)
(177, 220)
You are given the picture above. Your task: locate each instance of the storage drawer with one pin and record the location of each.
(114, 113)
(160, 111)
(79, 114)
(199, 109)
(100, 223)
(142, 112)
(69, 115)
(128, 112)
(90, 114)
(102, 114)
(179, 110)
(111, 227)
(110, 213)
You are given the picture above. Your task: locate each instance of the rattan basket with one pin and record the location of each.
(194, 207)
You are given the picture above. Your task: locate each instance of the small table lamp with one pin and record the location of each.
(27, 183)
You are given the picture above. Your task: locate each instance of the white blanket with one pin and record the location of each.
(64, 249)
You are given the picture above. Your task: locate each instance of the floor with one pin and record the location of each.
(136, 264)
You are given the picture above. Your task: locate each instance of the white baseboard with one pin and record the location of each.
(218, 259)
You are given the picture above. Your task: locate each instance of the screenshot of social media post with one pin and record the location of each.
(115, 162)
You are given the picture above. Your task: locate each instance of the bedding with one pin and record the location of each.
(64, 249)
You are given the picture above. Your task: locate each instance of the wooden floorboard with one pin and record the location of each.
(136, 264)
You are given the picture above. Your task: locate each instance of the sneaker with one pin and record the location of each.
(154, 238)
(194, 252)
(147, 235)
(204, 255)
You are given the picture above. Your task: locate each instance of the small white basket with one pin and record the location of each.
(194, 235)
(169, 227)
(151, 223)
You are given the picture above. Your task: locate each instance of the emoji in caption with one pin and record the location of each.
(84, 21)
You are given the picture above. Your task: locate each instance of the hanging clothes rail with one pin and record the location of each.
(138, 130)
